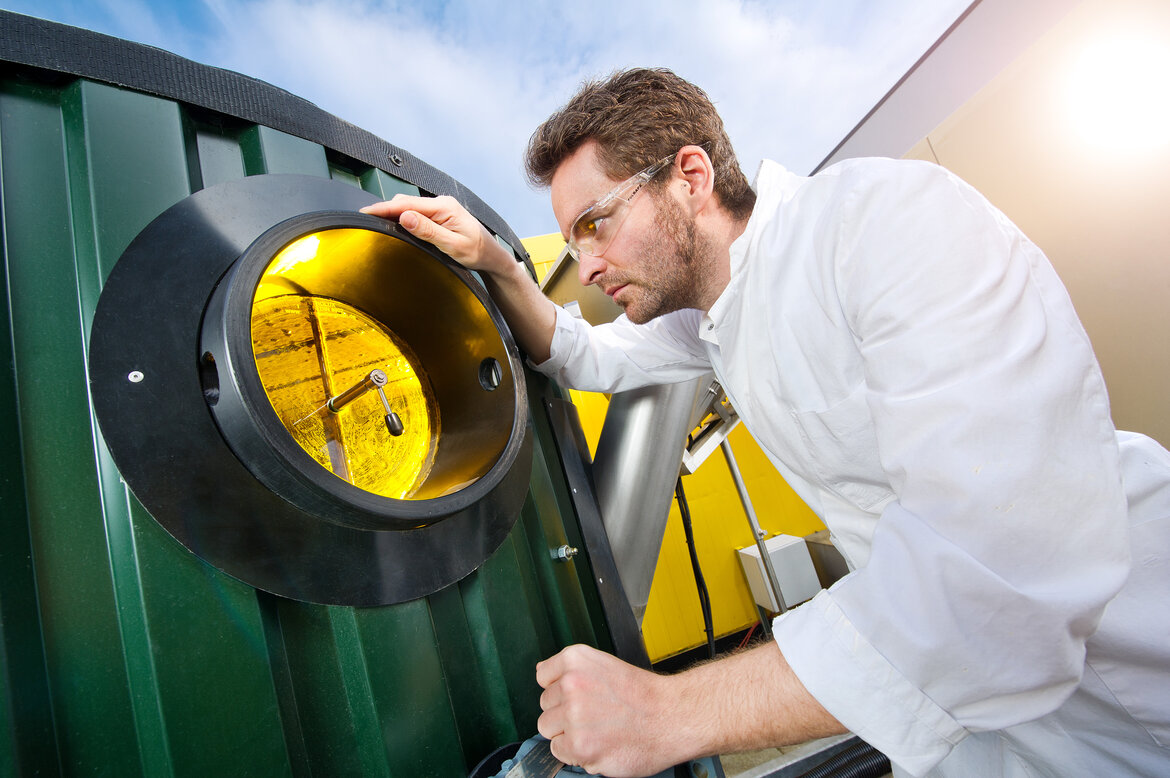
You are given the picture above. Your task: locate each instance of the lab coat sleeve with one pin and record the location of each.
(622, 355)
(1006, 536)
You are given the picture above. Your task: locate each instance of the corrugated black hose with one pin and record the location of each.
(704, 596)
(858, 761)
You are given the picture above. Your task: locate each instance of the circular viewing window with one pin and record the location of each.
(371, 367)
(311, 350)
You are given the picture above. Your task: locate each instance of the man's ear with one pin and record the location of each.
(695, 169)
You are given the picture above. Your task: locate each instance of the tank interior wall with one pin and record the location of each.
(121, 653)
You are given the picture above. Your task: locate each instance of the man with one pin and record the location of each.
(914, 368)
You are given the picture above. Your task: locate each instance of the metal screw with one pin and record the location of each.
(565, 553)
(699, 770)
(396, 159)
(135, 376)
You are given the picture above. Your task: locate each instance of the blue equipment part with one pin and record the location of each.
(535, 760)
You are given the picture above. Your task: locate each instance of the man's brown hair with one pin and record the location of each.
(637, 117)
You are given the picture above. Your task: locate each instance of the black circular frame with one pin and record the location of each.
(204, 452)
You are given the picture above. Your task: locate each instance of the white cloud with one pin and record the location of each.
(459, 102)
(461, 84)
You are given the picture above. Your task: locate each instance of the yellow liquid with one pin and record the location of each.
(309, 349)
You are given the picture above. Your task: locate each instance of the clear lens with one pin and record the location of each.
(595, 228)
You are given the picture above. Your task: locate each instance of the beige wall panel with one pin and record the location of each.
(1101, 211)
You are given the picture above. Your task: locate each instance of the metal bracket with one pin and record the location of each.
(715, 423)
(574, 455)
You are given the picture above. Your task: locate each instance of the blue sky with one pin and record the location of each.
(462, 83)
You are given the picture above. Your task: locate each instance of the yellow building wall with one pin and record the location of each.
(673, 622)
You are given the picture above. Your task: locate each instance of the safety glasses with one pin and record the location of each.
(595, 228)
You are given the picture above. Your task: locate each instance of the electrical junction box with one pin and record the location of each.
(794, 572)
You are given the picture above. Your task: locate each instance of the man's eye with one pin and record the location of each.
(589, 228)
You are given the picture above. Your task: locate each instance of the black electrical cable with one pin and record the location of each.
(858, 761)
(704, 595)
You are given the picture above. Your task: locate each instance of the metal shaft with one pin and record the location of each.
(757, 531)
(376, 379)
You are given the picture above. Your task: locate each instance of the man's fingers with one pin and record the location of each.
(417, 225)
(378, 209)
(557, 746)
(420, 226)
(439, 208)
(550, 698)
(441, 221)
(548, 671)
(400, 204)
(600, 712)
(390, 209)
(550, 724)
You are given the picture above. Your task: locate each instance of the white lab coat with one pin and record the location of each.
(913, 367)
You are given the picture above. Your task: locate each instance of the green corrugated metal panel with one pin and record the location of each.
(384, 185)
(123, 654)
(71, 567)
(271, 151)
(24, 705)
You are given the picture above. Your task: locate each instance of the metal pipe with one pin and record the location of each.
(757, 531)
(635, 469)
(374, 380)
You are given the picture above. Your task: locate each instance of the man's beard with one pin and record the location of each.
(670, 268)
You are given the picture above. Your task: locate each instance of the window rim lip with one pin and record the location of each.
(254, 432)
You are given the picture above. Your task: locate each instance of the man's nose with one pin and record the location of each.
(589, 268)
